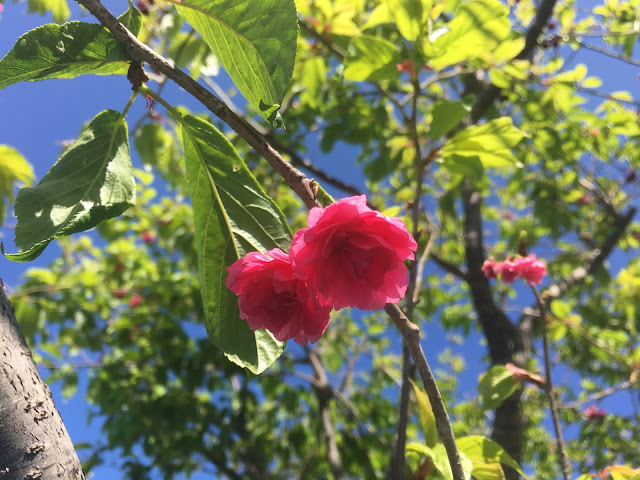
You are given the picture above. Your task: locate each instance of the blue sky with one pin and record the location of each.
(38, 116)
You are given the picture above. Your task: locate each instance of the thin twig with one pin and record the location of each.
(600, 395)
(548, 388)
(421, 263)
(411, 335)
(610, 53)
(324, 393)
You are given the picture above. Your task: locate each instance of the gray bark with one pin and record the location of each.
(34, 444)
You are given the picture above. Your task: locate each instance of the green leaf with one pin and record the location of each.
(370, 59)
(254, 41)
(313, 76)
(447, 115)
(58, 8)
(92, 181)
(409, 17)
(477, 28)
(70, 385)
(232, 216)
(496, 386)
(13, 168)
(427, 419)
(67, 51)
(438, 456)
(482, 450)
(491, 143)
(488, 471)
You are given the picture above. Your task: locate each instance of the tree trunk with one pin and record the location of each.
(34, 444)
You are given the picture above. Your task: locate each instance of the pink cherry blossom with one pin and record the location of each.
(594, 413)
(507, 270)
(531, 269)
(272, 297)
(489, 268)
(528, 268)
(353, 256)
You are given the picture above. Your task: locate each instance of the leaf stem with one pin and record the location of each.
(548, 388)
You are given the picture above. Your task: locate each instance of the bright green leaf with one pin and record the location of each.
(92, 181)
(409, 17)
(255, 43)
(370, 59)
(427, 419)
(482, 450)
(13, 168)
(478, 27)
(67, 51)
(314, 74)
(496, 386)
(488, 471)
(232, 216)
(58, 8)
(491, 143)
(447, 115)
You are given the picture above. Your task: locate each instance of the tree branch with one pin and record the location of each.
(298, 182)
(324, 393)
(411, 335)
(548, 389)
(593, 261)
(35, 443)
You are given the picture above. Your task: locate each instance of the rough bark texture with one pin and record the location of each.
(34, 443)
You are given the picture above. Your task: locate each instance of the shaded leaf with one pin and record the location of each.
(496, 386)
(447, 115)
(254, 41)
(370, 59)
(232, 216)
(92, 181)
(67, 51)
(488, 471)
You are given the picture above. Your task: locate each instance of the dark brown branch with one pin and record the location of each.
(548, 389)
(33, 440)
(503, 338)
(324, 393)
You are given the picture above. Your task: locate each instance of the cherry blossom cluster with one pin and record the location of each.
(348, 256)
(528, 268)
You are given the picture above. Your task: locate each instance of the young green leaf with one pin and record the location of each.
(92, 181)
(13, 168)
(59, 8)
(409, 16)
(67, 51)
(446, 116)
(370, 59)
(427, 419)
(478, 27)
(254, 41)
(491, 143)
(496, 386)
(232, 216)
(481, 450)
